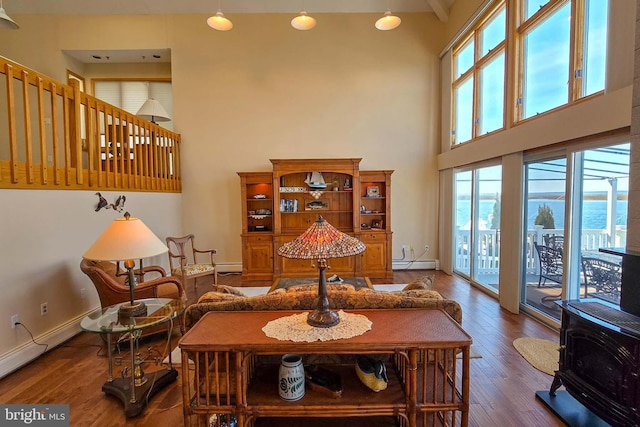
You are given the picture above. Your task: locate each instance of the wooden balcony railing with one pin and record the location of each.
(53, 136)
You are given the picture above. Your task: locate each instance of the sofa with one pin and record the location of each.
(417, 294)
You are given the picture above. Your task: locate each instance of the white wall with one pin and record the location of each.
(44, 234)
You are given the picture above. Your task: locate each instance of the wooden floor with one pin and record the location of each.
(503, 384)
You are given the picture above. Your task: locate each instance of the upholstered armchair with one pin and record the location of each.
(113, 289)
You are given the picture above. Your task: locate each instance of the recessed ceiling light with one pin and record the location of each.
(157, 56)
(97, 57)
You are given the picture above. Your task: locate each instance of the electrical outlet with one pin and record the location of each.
(14, 320)
(44, 309)
(83, 294)
(404, 247)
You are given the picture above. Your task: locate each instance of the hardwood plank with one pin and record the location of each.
(503, 384)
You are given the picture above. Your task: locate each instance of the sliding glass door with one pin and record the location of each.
(566, 229)
(477, 225)
(545, 197)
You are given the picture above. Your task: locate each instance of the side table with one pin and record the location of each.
(134, 388)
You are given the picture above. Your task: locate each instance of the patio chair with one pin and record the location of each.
(555, 241)
(603, 276)
(551, 268)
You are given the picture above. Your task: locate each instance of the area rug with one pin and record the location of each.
(176, 356)
(473, 354)
(541, 354)
(285, 282)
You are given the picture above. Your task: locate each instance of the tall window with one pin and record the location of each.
(130, 95)
(563, 45)
(559, 51)
(479, 79)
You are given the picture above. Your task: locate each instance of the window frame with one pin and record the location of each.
(576, 52)
(517, 27)
(479, 63)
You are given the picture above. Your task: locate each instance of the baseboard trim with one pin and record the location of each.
(230, 267)
(29, 351)
(429, 264)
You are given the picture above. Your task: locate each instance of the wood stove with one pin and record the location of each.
(599, 363)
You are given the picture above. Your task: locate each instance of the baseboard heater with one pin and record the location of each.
(429, 264)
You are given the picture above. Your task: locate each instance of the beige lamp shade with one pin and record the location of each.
(153, 111)
(6, 22)
(126, 239)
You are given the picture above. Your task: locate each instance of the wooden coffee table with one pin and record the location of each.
(426, 381)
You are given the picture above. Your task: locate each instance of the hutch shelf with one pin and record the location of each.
(280, 205)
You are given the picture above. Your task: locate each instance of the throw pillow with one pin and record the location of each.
(425, 283)
(330, 287)
(224, 289)
(217, 296)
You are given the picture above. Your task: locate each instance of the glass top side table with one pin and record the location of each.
(135, 388)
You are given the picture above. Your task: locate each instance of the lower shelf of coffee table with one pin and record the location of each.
(324, 422)
(263, 393)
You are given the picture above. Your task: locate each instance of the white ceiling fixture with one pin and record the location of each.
(219, 22)
(303, 21)
(5, 21)
(388, 21)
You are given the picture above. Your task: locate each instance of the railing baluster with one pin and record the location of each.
(54, 132)
(13, 148)
(44, 170)
(75, 129)
(28, 147)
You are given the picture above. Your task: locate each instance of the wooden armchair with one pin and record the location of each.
(551, 267)
(183, 260)
(113, 289)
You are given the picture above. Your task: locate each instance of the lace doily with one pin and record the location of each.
(295, 328)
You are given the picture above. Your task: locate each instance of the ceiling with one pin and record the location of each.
(14, 8)
(148, 7)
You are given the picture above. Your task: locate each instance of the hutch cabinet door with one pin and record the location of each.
(257, 260)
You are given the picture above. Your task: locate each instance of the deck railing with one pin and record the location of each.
(53, 136)
(488, 254)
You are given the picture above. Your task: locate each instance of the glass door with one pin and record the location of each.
(602, 210)
(545, 197)
(477, 225)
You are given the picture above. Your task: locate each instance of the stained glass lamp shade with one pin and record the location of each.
(321, 242)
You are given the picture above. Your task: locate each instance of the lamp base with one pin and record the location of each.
(323, 318)
(134, 309)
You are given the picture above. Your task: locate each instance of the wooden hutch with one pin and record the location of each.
(278, 206)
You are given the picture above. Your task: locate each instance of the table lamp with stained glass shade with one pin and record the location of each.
(321, 242)
(127, 239)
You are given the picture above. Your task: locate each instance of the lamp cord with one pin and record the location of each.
(46, 346)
